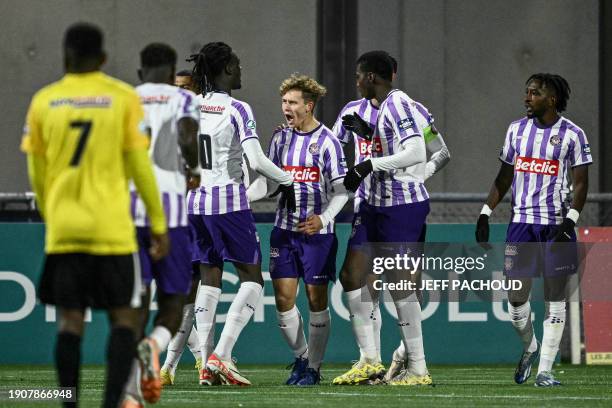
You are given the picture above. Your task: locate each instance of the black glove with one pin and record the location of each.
(287, 198)
(565, 230)
(354, 123)
(356, 174)
(482, 231)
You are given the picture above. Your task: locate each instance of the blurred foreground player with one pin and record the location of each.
(219, 212)
(171, 118)
(303, 243)
(540, 151)
(84, 139)
(395, 211)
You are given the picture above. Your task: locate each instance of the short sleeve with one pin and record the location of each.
(580, 151)
(32, 141)
(243, 121)
(335, 162)
(188, 106)
(401, 118)
(135, 125)
(507, 153)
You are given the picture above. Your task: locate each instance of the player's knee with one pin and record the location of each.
(347, 280)
(284, 301)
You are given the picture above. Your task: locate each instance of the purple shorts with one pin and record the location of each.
(311, 257)
(529, 252)
(225, 237)
(400, 223)
(172, 273)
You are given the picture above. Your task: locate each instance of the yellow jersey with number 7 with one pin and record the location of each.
(76, 134)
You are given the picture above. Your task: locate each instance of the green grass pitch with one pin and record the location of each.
(455, 386)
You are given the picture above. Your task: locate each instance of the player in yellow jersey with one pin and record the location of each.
(84, 140)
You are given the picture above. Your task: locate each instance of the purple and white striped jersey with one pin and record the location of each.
(363, 147)
(225, 123)
(541, 158)
(315, 160)
(164, 105)
(399, 119)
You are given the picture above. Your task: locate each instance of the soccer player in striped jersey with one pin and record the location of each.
(84, 139)
(186, 334)
(352, 273)
(219, 212)
(395, 210)
(539, 154)
(303, 243)
(171, 118)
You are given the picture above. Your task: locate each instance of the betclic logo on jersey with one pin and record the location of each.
(303, 174)
(538, 166)
(366, 147)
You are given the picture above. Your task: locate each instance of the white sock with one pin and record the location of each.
(240, 311)
(318, 334)
(376, 327)
(162, 337)
(400, 352)
(553, 331)
(292, 329)
(360, 315)
(132, 386)
(177, 344)
(209, 346)
(205, 311)
(520, 317)
(409, 322)
(194, 344)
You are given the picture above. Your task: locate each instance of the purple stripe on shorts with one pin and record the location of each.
(526, 176)
(229, 195)
(535, 202)
(215, 200)
(244, 203)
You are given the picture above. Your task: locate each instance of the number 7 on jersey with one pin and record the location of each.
(85, 127)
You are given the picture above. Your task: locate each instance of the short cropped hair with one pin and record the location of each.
(312, 91)
(184, 72)
(84, 40)
(157, 55)
(378, 62)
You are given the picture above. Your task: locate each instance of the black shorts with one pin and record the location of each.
(77, 281)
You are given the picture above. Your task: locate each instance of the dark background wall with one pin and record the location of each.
(465, 60)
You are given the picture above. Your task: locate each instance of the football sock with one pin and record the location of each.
(120, 356)
(553, 331)
(177, 344)
(318, 334)
(292, 329)
(376, 327)
(162, 336)
(68, 361)
(205, 311)
(409, 322)
(240, 311)
(194, 344)
(400, 352)
(209, 346)
(520, 316)
(360, 315)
